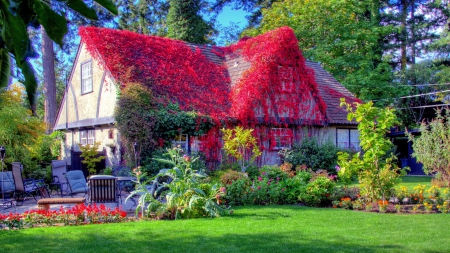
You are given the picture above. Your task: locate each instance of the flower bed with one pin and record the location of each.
(77, 215)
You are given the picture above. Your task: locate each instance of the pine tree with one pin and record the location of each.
(185, 23)
(145, 16)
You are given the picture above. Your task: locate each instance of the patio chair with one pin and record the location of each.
(24, 188)
(7, 183)
(103, 189)
(59, 170)
(77, 182)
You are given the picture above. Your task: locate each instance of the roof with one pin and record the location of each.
(224, 81)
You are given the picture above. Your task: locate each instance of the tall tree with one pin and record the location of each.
(185, 23)
(344, 36)
(48, 59)
(145, 16)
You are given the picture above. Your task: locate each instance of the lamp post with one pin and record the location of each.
(135, 147)
(2, 157)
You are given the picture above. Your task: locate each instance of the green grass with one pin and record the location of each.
(249, 229)
(408, 181)
(413, 181)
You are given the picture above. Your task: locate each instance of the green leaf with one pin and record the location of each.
(80, 7)
(109, 5)
(55, 25)
(5, 71)
(16, 36)
(30, 84)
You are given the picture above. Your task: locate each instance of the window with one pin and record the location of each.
(280, 138)
(286, 76)
(181, 140)
(86, 77)
(348, 138)
(87, 137)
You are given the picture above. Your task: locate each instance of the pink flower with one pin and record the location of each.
(186, 158)
(260, 178)
(337, 168)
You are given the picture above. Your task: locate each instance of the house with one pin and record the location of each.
(262, 82)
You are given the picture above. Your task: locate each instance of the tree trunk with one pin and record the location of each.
(403, 36)
(48, 59)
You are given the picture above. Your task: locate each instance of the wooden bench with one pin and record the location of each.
(46, 202)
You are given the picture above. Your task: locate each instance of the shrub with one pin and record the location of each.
(90, 156)
(20, 132)
(376, 168)
(318, 192)
(230, 176)
(273, 172)
(432, 147)
(312, 154)
(237, 193)
(241, 144)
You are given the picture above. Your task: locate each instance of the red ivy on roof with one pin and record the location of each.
(278, 88)
(278, 84)
(170, 67)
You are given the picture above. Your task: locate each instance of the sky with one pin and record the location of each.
(225, 18)
(228, 15)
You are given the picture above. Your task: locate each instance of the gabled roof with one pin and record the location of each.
(223, 81)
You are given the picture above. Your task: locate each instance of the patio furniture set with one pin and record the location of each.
(68, 184)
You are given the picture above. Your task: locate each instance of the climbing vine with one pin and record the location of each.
(278, 89)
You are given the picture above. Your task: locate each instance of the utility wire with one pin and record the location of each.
(412, 96)
(422, 106)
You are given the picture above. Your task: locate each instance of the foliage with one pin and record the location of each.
(342, 35)
(312, 154)
(76, 215)
(237, 192)
(184, 22)
(275, 89)
(143, 16)
(186, 195)
(17, 16)
(241, 144)
(432, 147)
(20, 133)
(138, 109)
(90, 156)
(268, 189)
(203, 90)
(230, 176)
(376, 168)
(318, 192)
(48, 147)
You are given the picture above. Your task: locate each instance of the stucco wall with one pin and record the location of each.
(87, 110)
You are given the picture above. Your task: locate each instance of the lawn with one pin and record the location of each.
(413, 181)
(408, 181)
(249, 229)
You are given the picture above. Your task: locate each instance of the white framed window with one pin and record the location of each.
(86, 77)
(348, 138)
(280, 138)
(87, 137)
(286, 76)
(181, 140)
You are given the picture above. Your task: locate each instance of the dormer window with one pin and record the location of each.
(86, 77)
(286, 77)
